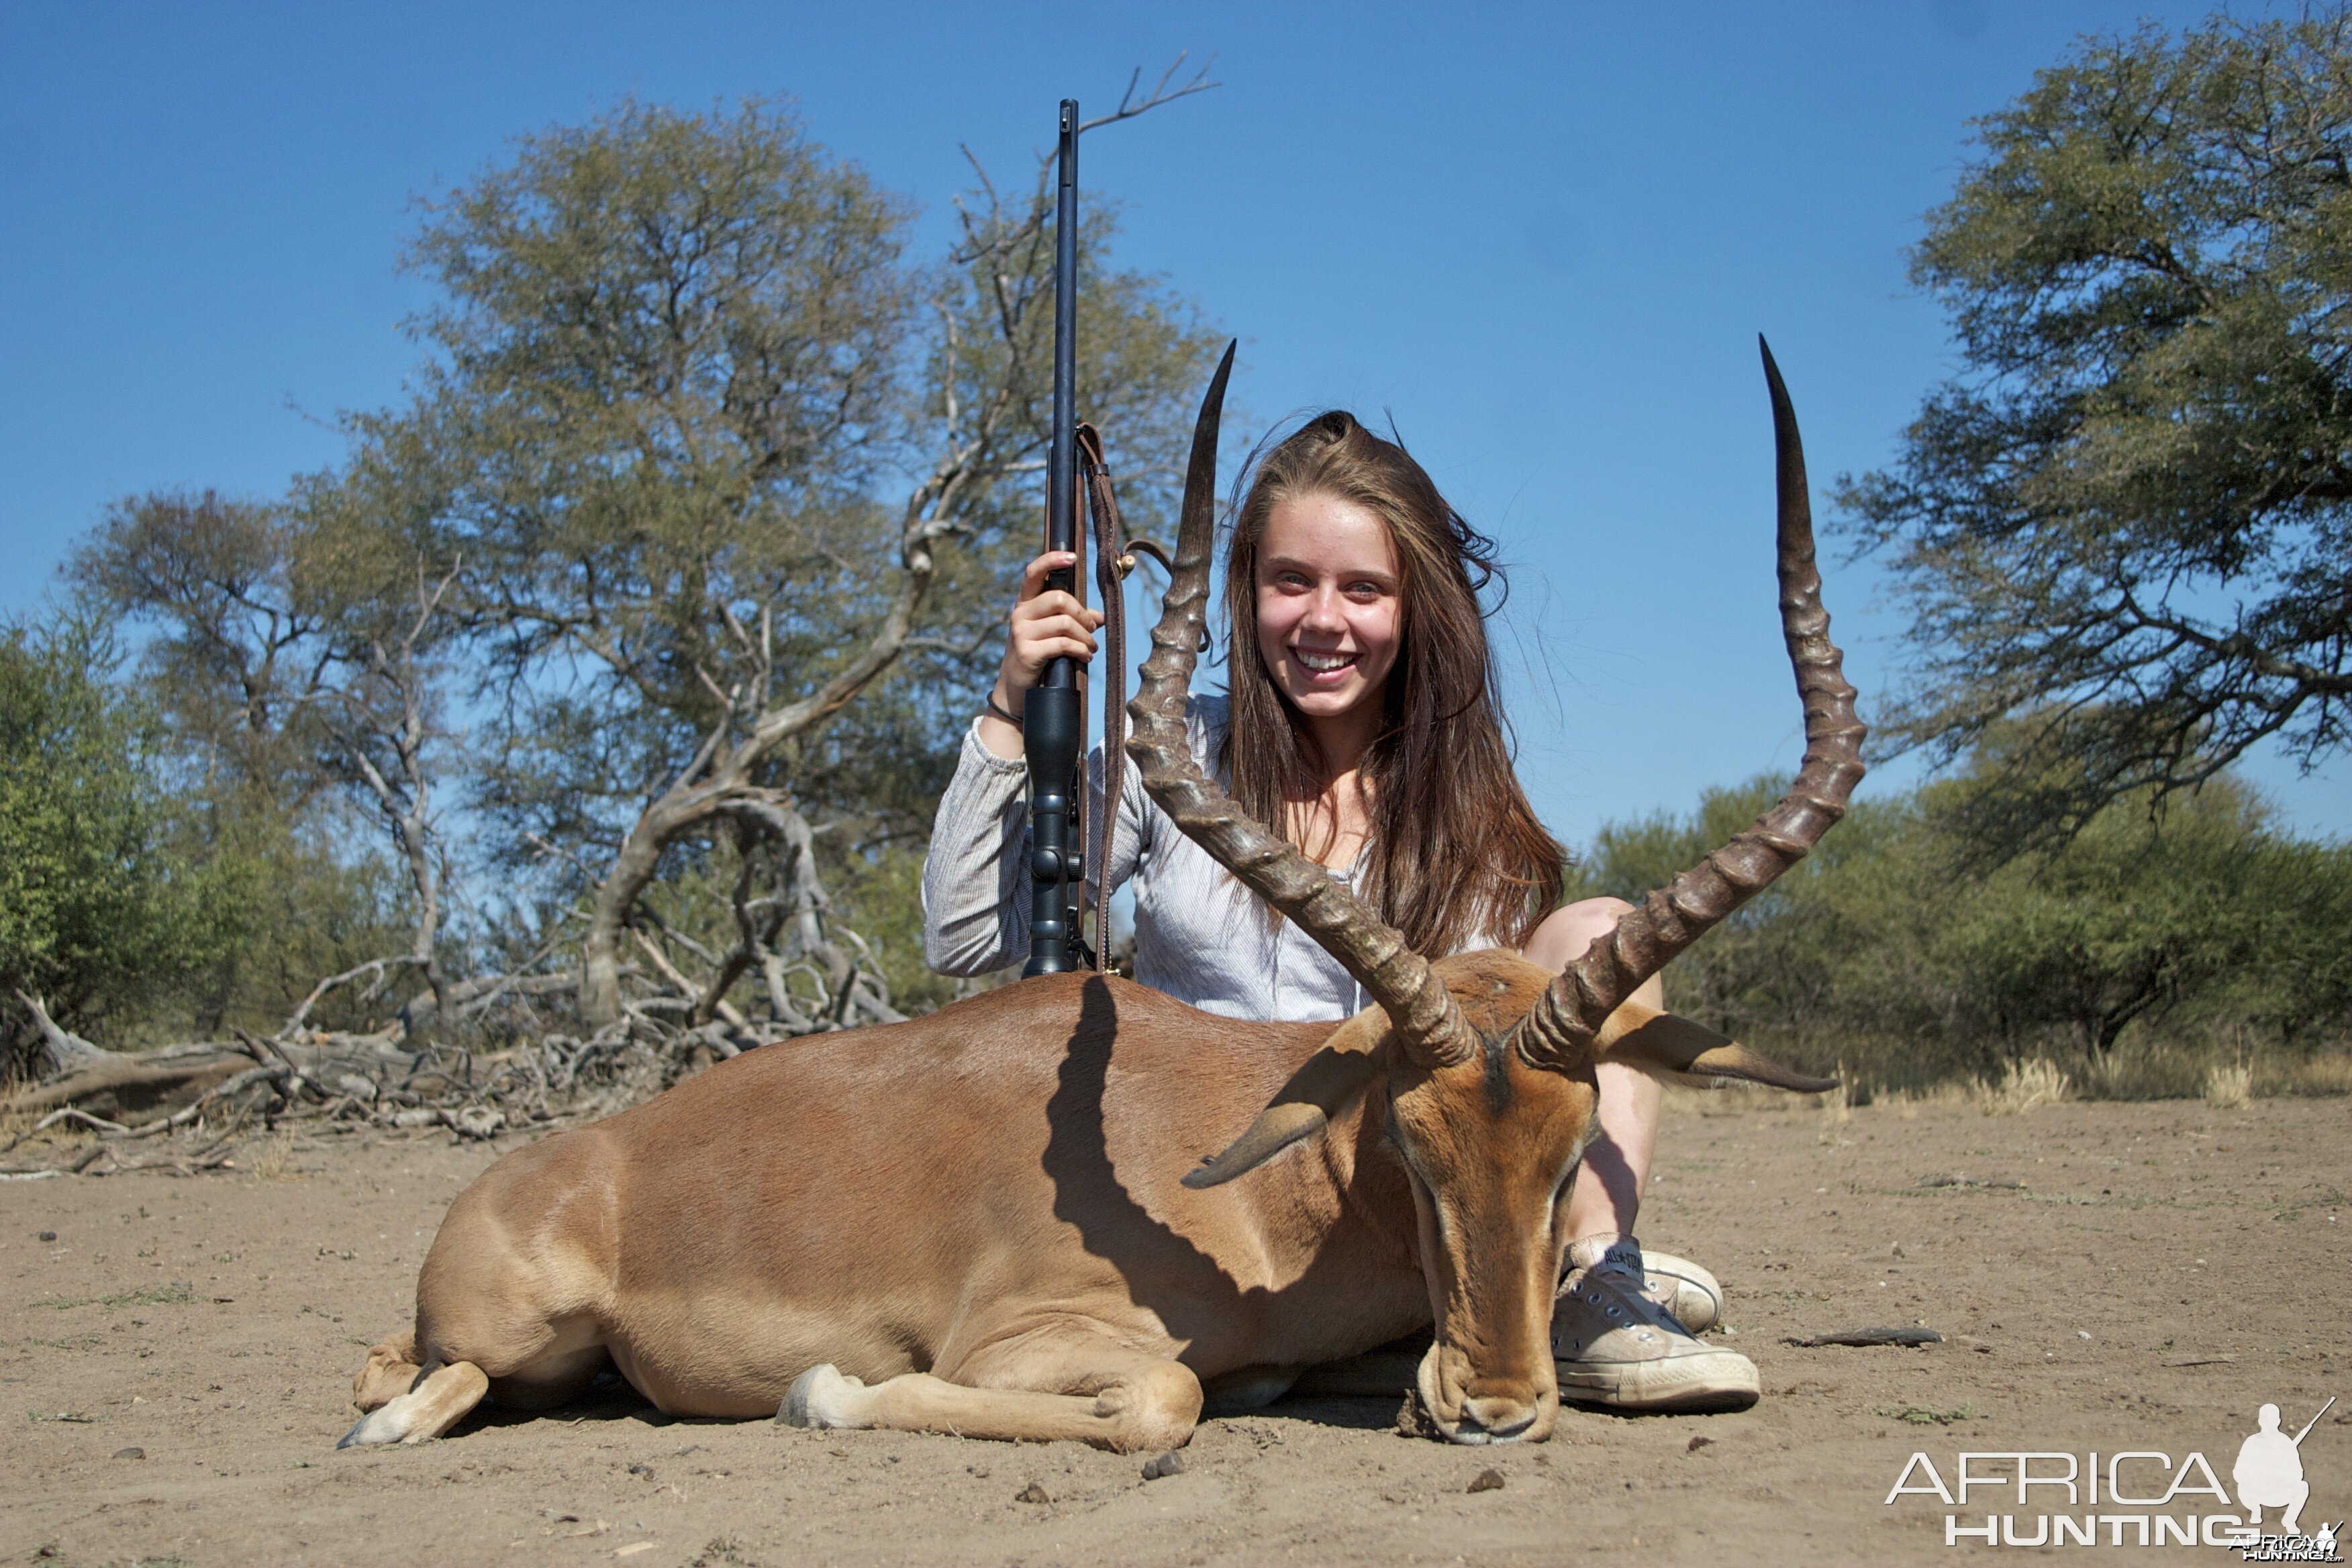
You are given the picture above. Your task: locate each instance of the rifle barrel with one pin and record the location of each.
(1061, 491)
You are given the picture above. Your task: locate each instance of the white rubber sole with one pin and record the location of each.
(1705, 1381)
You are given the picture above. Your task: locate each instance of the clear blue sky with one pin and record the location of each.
(1543, 238)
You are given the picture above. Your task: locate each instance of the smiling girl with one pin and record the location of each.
(1363, 716)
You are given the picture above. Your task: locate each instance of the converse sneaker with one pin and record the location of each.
(1683, 1287)
(1613, 1345)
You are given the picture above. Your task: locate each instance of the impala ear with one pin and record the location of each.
(1680, 1051)
(1315, 1093)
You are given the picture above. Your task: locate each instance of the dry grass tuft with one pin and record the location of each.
(2229, 1086)
(1837, 1105)
(2024, 1086)
(15, 1125)
(1731, 1100)
(2146, 1069)
(2146, 1065)
(2309, 1077)
(275, 1162)
(1836, 1112)
(1907, 1103)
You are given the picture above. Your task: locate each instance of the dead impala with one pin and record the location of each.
(991, 1221)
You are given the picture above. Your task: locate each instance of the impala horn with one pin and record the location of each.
(1428, 1026)
(1560, 1030)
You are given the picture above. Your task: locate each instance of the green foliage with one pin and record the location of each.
(2299, 984)
(2134, 917)
(139, 895)
(2130, 519)
(287, 899)
(1779, 958)
(1899, 949)
(94, 910)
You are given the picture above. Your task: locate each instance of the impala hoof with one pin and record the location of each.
(377, 1427)
(819, 1398)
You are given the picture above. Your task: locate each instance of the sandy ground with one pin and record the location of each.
(2108, 1278)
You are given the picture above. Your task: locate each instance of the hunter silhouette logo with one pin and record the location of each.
(2134, 1497)
(2269, 1474)
(2269, 1471)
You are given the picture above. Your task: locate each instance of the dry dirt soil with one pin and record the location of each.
(175, 1363)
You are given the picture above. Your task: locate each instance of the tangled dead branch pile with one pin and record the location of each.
(91, 1105)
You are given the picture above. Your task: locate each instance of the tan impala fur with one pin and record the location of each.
(978, 1215)
(1001, 1220)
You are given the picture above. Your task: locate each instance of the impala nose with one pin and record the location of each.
(1496, 1420)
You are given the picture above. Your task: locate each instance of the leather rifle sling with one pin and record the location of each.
(1114, 559)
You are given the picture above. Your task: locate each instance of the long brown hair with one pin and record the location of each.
(1454, 848)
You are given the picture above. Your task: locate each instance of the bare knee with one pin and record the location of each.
(1569, 930)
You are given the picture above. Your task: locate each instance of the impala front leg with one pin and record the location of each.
(1039, 1388)
(444, 1393)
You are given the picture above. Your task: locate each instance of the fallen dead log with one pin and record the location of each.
(62, 1049)
(470, 997)
(145, 1075)
(95, 1123)
(181, 1118)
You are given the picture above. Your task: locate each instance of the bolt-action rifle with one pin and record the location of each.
(1052, 712)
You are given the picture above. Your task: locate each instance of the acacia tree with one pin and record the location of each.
(2128, 522)
(383, 739)
(234, 658)
(2130, 919)
(682, 362)
(250, 668)
(294, 670)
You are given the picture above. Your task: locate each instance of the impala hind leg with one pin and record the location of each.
(390, 1370)
(1077, 1388)
(442, 1396)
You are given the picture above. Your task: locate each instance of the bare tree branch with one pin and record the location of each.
(1128, 108)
